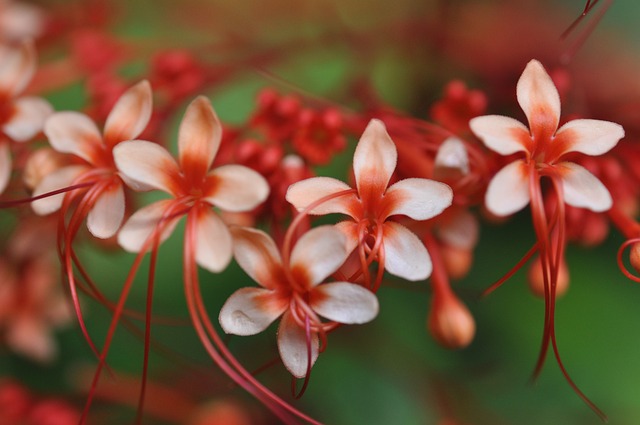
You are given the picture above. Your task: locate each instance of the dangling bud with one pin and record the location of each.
(536, 280)
(222, 412)
(457, 261)
(450, 322)
(634, 256)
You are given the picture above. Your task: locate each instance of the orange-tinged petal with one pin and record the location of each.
(319, 252)
(420, 199)
(17, 66)
(105, 218)
(508, 191)
(539, 99)
(147, 165)
(344, 302)
(405, 255)
(590, 137)
(582, 189)
(74, 133)
(130, 115)
(5, 165)
(292, 345)
(374, 160)
(28, 118)
(303, 193)
(249, 311)
(199, 138)
(257, 254)
(501, 134)
(236, 188)
(350, 230)
(213, 241)
(141, 225)
(59, 179)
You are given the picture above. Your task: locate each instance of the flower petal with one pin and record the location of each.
(419, 199)
(305, 192)
(404, 254)
(539, 98)
(105, 218)
(292, 345)
(508, 191)
(130, 115)
(236, 188)
(350, 230)
(582, 189)
(503, 135)
(459, 229)
(590, 137)
(32, 338)
(141, 225)
(249, 311)
(17, 66)
(452, 155)
(319, 252)
(344, 302)
(147, 165)
(74, 133)
(28, 118)
(199, 137)
(59, 179)
(5, 165)
(258, 256)
(213, 241)
(374, 160)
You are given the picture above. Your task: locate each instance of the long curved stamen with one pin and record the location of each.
(16, 202)
(621, 265)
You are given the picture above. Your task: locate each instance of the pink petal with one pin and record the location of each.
(539, 98)
(405, 255)
(74, 133)
(258, 256)
(147, 165)
(590, 137)
(130, 115)
(141, 225)
(28, 118)
(303, 193)
(344, 302)
(105, 218)
(237, 188)
(292, 345)
(59, 179)
(419, 199)
(452, 155)
(213, 241)
(374, 160)
(508, 191)
(460, 229)
(249, 311)
(582, 189)
(5, 165)
(503, 135)
(319, 252)
(17, 66)
(198, 138)
(20, 21)
(350, 230)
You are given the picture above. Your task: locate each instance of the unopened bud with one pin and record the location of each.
(450, 322)
(222, 412)
(40, 164)
(634, 256)
(536, 279)
(457, 261)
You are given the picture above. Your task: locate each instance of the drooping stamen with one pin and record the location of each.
(582, 38)
(621, 264)
(15, 202)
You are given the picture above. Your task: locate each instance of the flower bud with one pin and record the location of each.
(450, 322)
(536, 280)
(634, 256)
(457, 261)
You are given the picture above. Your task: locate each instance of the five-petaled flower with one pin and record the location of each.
(291, 288)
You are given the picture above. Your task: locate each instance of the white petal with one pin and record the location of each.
(374, 159)
(405, 255)
(344, 302)
(258, 255)
(292, 345)
(237, 188)
(74, 133)
(590, 137)
(146, 164)
(213, 242)
(303, 193)
(105, 218)
(503, 135)
(5, 166)
(582, 189)
(508, 191)
(452, 154)
(28, 118)
(17, 66)
(141, 225)
(59, 179)
(419, 199)
(350, 230)
(199, 137)
(249, 311)
(538, 97)
(460, 229)
(319, 252)
(130, 115)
